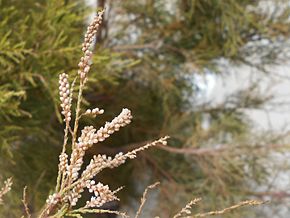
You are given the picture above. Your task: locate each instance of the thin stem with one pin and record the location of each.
(61, 212)
(219, 212)
(144, 198)
(76, 124)
(78, 108)
(42, 214)
(25, 204)
(84, 211)
(60, 175)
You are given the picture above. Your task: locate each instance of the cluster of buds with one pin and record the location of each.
(65, 98)
(102, 193)
(94, 112)
(100, 162)
(123, 119)
(5, 189)
(75, 194)
(89, 137)
(73, 170)
(84, 142)
(96, 165)
(186, 211)
(92, 30)
(53, 199)
(63, 162)
(120, 158)
(84, 64)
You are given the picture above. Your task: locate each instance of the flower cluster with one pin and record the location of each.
(65, 98)
(92, 30)
(96, 165)
(102, 194)
(84, 64)
(74, 195)
(5, 189)
(53, 199)
(100, 162)
(186, 211)
(63, 164)
(89, 137)
(123, 119)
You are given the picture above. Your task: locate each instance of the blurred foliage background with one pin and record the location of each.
(146, 58)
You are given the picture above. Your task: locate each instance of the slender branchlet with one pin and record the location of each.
(228, 209)
(76, 213)
(187, 209)
(25, 203)
(144, 198)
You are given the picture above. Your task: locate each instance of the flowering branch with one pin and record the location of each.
(71, 183)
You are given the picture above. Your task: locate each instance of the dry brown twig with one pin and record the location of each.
(228, 209)
(186, 211)
(25, 203)
(144, 198)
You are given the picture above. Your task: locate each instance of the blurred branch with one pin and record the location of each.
(151, 45)
(25, 202)
(103, 149)
(144, 198)
(223, 211)
(278, 195)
